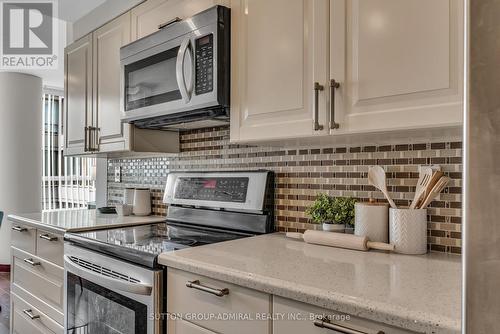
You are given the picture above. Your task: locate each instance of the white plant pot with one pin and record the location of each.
(340, 228)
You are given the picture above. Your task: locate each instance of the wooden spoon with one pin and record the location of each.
(436, 190)
(376, 178)
(422, 183)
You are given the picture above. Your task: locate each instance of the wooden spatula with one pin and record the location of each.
(436, 190)
(434, 179)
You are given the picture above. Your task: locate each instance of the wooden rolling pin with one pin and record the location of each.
(341, 240)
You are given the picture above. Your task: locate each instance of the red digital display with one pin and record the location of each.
(204, 40)
(210, 184)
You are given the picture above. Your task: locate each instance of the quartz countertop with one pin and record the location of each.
(78, 220)
(419, 293)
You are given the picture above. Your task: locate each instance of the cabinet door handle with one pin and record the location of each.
(32, 262)
(333, 85)
(96, 138)
(93, 139)
(19, 228)
(48, 237)
(86, 139)
(317, 89)
(197, 285)
(30, 314)
(169, 22)
(323, 322)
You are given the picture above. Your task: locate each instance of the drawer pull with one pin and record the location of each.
(197, 285)
(19, 228)
(30, 314)
(48, 237)
(32, 262)
(323, 322)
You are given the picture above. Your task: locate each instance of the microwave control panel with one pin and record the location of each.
(204, 65)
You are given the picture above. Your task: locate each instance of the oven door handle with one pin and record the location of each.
(179, 70)
(134, 288)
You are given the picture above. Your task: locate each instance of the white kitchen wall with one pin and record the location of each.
(20, 150)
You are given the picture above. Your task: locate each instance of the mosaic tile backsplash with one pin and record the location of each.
(302, 173)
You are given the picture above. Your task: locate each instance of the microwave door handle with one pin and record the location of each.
(179, 70)
(134, 288)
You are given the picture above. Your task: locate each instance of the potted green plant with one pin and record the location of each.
(322, 212)
(343, 212)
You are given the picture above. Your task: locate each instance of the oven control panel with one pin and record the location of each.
(204, 65)
(220, 189)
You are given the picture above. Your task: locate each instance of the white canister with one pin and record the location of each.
(372, 221)
(408, 230)
(142, 202)
(128, 196)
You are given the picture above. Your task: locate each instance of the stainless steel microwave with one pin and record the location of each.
(178, 77)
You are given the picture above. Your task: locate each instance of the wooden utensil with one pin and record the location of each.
(376, 178)
(423, 180)
(434, 179)
(436, 190)
(341, 240)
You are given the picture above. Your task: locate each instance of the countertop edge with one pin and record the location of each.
(60, 230)
(35, 223)
(379, 312)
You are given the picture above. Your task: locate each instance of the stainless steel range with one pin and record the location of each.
(113, 283)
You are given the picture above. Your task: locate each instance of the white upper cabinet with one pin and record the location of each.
(107, 40)
(92, 102)
(386, 64)
(279, 51)
(399, 64)
(148, 16)
(78, 97)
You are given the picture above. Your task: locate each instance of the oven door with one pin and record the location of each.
(105, 295)
(171, 77)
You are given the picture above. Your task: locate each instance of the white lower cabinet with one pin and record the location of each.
(37, 281)
(294, 317)
(200, 305)
(225, 314)
(27, 319)
(180, 326)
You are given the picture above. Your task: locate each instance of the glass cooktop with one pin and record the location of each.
(142, 244)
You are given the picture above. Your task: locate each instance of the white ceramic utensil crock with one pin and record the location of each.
(142, 202)
(372, 221)
(408, 230)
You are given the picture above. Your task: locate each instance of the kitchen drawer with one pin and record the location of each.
(297, 318)
(206, 309)
(179, 326)
(40, 282)
(23, 237)
(50, 247)
(22, 323)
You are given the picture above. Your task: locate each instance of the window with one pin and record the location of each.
(67, 182)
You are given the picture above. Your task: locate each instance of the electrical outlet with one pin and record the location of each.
(118, 174)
